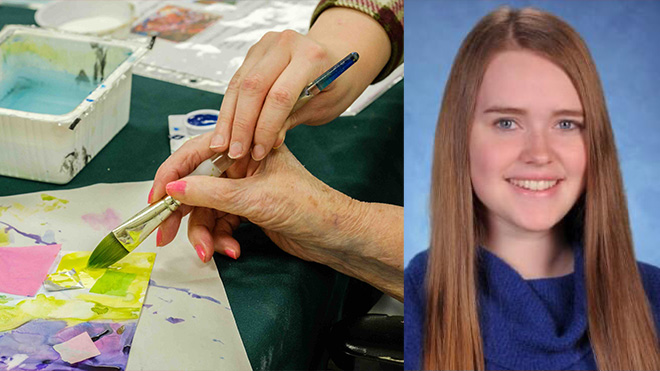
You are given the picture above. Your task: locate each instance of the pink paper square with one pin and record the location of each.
(23, 269)
(77, 349)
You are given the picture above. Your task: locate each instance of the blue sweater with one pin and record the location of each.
(538, 324)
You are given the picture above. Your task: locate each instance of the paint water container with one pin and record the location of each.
(63, 97)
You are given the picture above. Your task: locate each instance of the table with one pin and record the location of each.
(283, 306)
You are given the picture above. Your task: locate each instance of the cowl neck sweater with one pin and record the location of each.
(537, 324)
(532, 324)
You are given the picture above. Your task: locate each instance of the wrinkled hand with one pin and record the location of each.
(256, 108)
(298, 212)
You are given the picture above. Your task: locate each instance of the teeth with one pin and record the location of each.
(534, 185)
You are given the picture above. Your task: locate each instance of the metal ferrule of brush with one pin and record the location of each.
(139, 227)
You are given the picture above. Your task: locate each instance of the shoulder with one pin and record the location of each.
(651, 280)
(416, 269)
(414, 292)
(414, 308)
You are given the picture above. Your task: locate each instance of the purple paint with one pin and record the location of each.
(106, 220)
(187, 291)
(174, 320)
(36, 339)
(37, 239)
(147, 305)
(218, 341)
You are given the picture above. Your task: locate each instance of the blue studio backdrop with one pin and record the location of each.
(623, 39)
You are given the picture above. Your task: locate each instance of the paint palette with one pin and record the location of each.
(63, 97)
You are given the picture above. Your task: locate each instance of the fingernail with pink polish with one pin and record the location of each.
(201, 253)
(176, 187)
(159, 238)
(231, 253)
(151, 193)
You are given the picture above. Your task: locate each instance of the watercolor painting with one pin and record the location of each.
(141, 313)
(107, 310)
(175, 23)
(31, 346)
(91, 327)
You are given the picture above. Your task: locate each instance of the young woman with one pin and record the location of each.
(531, 264)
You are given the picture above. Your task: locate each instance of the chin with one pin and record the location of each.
(536, 222)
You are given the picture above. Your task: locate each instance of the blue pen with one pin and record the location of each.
(325, 79)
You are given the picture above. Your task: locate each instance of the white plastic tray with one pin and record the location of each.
(43, 143)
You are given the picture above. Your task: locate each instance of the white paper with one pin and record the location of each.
(206, 339)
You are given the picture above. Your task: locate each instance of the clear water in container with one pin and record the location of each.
(52, 75)
(39, 91)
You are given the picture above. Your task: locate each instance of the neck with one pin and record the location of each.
(533, 254)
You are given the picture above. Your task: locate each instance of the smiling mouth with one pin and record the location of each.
(534, 185)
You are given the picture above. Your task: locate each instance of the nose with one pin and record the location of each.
(536, 150)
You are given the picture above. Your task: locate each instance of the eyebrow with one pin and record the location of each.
(520, 111)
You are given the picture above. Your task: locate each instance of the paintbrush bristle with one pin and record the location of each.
(108, 252)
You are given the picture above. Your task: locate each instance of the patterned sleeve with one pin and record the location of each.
(389, 13)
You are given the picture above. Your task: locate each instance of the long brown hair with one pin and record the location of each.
(621, 328)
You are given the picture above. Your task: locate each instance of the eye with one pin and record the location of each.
(505, 124)
(568, 125)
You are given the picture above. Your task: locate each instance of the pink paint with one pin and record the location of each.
(107, 220)
(77, 349)
(23, 269)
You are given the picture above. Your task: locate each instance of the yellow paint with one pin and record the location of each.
(135, 237)
(58, 55)
(20, 211)
(47, 197)
(4, 236)
(48, 203)
(51, 203)
(38, 48)
(85, 306)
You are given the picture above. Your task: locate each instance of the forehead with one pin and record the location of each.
(523, 79)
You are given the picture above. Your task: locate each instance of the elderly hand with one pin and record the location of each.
(299, 213)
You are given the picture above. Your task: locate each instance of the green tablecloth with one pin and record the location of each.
(282, 305)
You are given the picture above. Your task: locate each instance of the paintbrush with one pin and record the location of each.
(125, 238)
